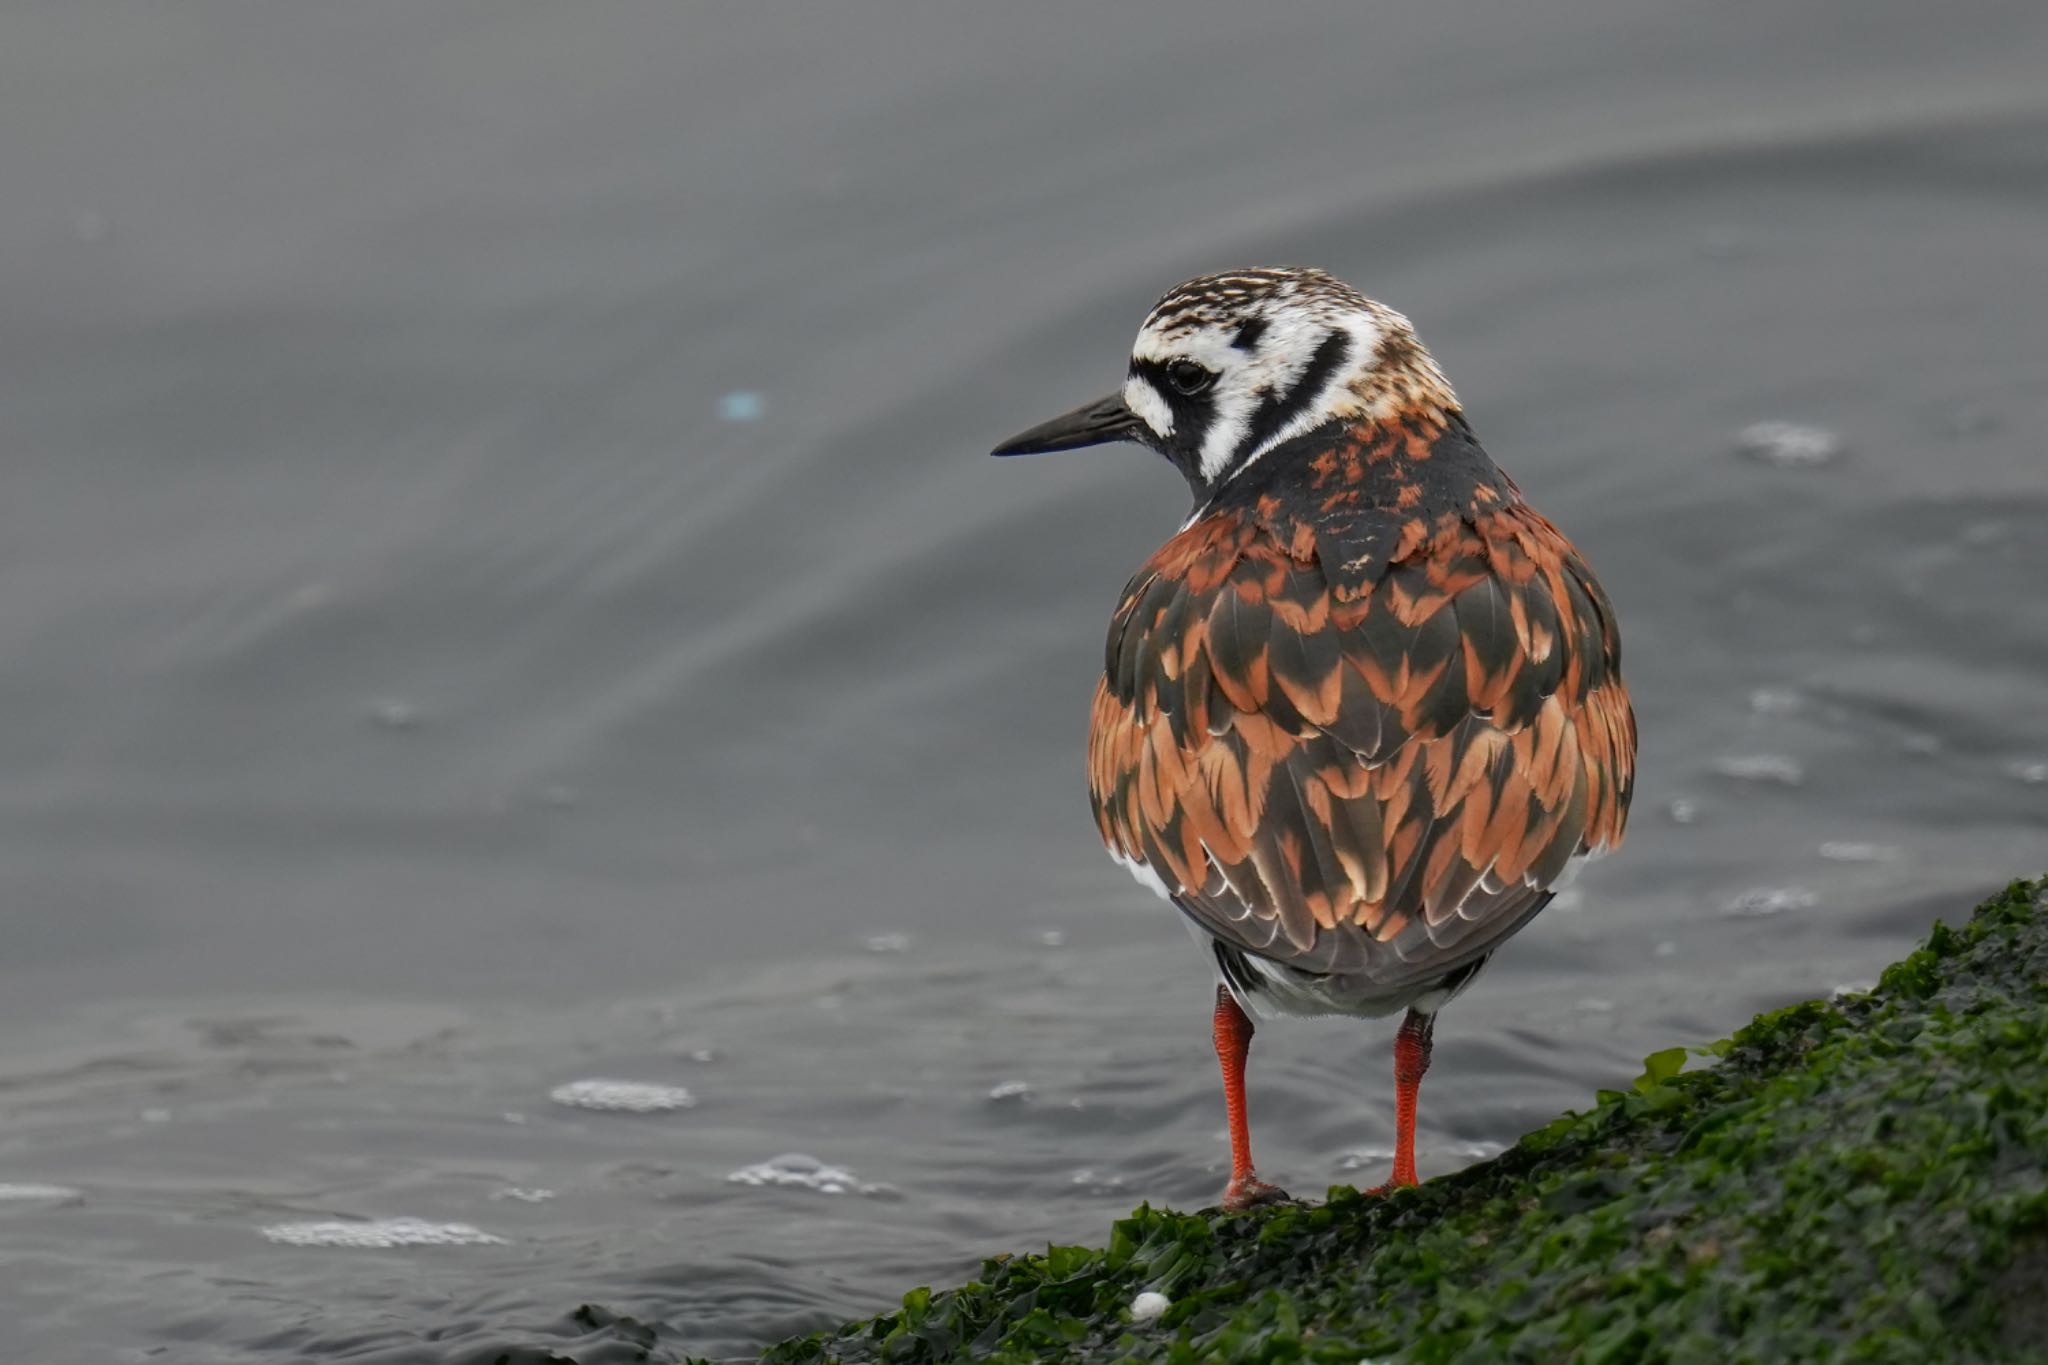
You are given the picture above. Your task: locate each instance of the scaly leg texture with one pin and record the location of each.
(1411, 1060)
(1233, 1035)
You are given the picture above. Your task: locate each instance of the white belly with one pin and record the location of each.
(1273, 990)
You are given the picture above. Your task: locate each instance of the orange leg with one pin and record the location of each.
(1411, 1060)
(1233, 1035)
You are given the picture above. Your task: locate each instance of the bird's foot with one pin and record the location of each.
(1395, 1184)
(1250, 1192)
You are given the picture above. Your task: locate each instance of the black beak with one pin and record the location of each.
(1097, 423)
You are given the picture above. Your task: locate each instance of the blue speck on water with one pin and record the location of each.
(741, 405)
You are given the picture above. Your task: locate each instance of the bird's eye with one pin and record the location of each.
(1187, 377)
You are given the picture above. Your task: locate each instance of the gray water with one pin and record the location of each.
(500, 587)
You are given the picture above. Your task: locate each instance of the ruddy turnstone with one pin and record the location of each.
(1362, 712)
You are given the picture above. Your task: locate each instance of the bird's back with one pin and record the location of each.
(1359, 715)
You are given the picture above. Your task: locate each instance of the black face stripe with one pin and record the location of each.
(1248, 333)
(1276, 413)
(1192, 413)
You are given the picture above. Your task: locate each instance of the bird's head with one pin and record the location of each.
(1229, 367)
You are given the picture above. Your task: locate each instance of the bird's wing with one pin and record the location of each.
(1376, 772)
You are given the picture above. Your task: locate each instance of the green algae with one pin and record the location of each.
(1864, 1179)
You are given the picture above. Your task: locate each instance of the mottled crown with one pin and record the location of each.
(1228, 367)
(1232, 293)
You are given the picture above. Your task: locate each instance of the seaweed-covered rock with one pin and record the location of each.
(1864, 1179)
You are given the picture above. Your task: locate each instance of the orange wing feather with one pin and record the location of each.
(1379, 768)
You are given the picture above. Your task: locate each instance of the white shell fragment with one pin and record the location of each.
(1149, 1305)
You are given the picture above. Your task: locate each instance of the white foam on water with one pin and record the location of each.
(1374, 1158)
(1789, 445)
(2032, 771)
(1850, 851)
(1776, 701)
(794, 1170)
(380, 1234)
(1779, 768)
(395, 713)
(31, 1192)
(1097, 1182)
(523, 1196)
(622, 1097)
(1761, 901)
(1009, 1090)
(1361, 1158)
(888, 943)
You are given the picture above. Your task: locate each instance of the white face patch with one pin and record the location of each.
(1249, 380)
(1140, 397)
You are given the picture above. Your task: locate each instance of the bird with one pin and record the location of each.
(1362, 715)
